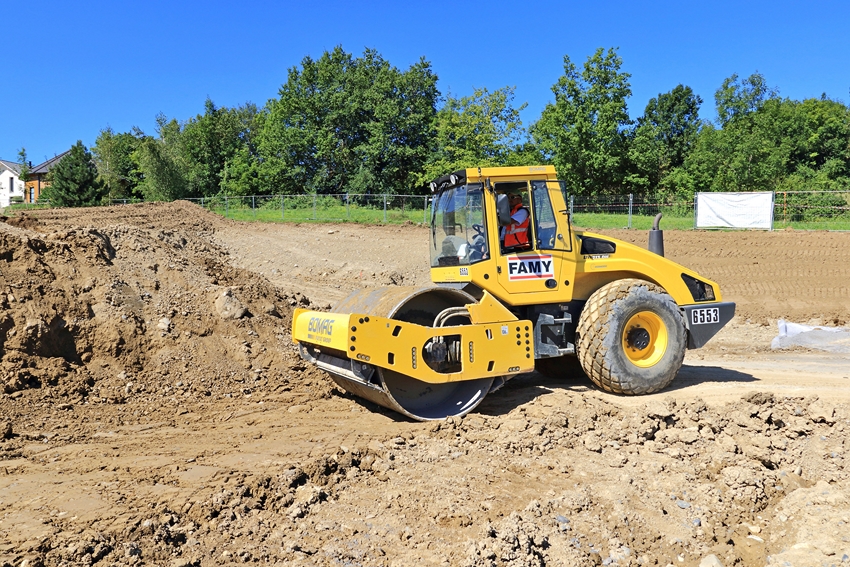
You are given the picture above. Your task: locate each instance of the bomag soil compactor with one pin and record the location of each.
(496, 311)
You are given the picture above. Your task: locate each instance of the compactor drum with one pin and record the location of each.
(389, 388)
(516, 288)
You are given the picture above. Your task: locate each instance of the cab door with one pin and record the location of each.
(540, 269)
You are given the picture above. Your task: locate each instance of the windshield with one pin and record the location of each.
(458, 233)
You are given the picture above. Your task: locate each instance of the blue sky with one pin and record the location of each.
(74, 68)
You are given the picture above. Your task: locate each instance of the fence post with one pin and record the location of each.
(784, 207)
(572, 200)
(254, 205)
(385, 207)
(282, 211)
(347, 207)
(314, 207)
(772, 209)
(425, 211)
(631, 200)
(695, 210)
(225, 206)
(202, 202)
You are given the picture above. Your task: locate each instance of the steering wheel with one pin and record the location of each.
(479, 230)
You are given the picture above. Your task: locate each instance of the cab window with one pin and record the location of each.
(545, 223)
(458, 227)
(518, 236)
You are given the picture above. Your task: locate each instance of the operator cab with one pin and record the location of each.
(463, 235)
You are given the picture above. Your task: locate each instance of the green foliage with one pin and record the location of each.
(586, 131)
(664, 135)
(344, 124)
(116, 160)
(780, 145)
(358, 125)
(75, 181)
(479, 130)
(162, 165)
(25, 166)
(736, 99)
(214, 143)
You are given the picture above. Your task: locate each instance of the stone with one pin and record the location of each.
(228, 307)
(6, 429)
(710, 561)
(271, 310)
(822, 412)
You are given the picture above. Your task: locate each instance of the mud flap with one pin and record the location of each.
(704, 321)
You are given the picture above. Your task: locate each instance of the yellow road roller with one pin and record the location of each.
(515, 289)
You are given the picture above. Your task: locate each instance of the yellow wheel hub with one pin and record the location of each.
(645, 339)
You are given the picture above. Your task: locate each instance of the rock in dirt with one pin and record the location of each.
(228, 307)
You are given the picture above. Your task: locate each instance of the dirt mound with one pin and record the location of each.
(21, 221)
(95, 313)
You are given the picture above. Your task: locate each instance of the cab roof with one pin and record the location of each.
(511, 173)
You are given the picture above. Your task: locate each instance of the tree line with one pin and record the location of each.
(346, 124)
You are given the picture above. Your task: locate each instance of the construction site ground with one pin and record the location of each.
(154, 411)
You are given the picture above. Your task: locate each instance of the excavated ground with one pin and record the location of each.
(154, 411)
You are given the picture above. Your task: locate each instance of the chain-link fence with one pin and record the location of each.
(630, 211)
(804, 210)
(807, 210)
(823, 210)
(799, 209)
(340, 207)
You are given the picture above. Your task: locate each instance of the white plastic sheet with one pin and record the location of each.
(830, 339)
(735, 210)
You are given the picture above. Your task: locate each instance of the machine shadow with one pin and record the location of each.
(691, 375)
(524, 389)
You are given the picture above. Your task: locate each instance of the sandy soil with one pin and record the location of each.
(153, 411)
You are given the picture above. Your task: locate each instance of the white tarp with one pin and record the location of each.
(831, 339)
(735, 210)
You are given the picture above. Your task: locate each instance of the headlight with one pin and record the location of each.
(700, 290)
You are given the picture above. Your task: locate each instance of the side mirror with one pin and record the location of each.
(503, 209)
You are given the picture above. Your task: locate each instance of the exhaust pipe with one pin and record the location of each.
(656, 237)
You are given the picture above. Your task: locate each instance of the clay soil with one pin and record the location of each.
(154, 411)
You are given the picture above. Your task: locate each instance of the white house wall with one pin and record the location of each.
(7, 192)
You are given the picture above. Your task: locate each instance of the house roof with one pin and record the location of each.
(15, 167)
(49, 164)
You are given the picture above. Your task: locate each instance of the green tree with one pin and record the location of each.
(75, 181)
(674, 118)
(752, 152)
(116, 160)
(161, 163)
(736, 98)
(663, 138)
(585, 132)
(345, 124)
(210, 141)
(25, 166)
(479, 130)
(241, 174)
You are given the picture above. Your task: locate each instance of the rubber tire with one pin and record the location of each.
(599, 342)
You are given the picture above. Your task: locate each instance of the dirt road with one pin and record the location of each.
(154, 411)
